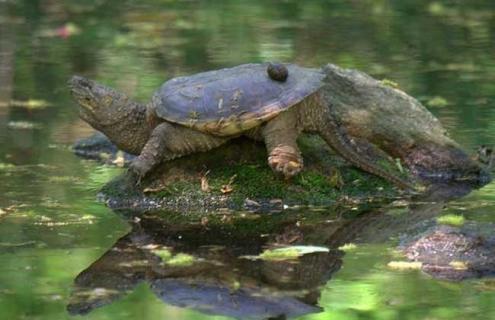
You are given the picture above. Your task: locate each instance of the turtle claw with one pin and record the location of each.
(286, 161)
(138, 170)
(134, 178)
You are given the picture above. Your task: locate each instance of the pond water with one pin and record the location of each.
(52, 228)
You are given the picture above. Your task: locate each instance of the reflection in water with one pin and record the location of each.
(206, 266)
(7, 55)
(219, 279)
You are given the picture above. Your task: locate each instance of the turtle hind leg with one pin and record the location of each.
(280, 135)
(336, 137)
(169, 141)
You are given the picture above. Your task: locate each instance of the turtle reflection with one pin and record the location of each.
(208, 265)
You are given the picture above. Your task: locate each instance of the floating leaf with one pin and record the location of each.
(23, 125)
(30, 104)
(63, 179)
(180, 259)
(16, 245)
(452, 220)
(289, 253)
(6, 166)
(437, 102)
(405, 265)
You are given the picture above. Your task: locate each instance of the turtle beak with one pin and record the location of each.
(82, 90)
(78, 83)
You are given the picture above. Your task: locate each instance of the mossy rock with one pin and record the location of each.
(236, 176)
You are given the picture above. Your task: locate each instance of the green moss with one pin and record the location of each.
(164, 254)
(121, 187)
(390, 83)
(252, 181)
(315, 182)
(309, 187)
(323, 181)
(452, 220)
(258, 182)
(180, 260)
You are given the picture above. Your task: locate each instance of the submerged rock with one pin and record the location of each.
(455, 253)
(99, 147)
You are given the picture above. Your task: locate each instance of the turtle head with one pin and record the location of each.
(122, 120)
(98, 105)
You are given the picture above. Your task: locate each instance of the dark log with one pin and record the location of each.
(398, 124)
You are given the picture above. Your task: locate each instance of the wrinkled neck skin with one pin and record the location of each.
(126, 125)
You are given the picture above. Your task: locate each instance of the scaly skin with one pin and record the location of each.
(135, 129)
(316, 114)
(313, 115)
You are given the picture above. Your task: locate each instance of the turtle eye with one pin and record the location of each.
(107, 101)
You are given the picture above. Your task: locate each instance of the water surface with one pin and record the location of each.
(51, 227)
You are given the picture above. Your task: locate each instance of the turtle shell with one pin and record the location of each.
(229, 101)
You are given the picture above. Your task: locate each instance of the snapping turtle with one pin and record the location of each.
(200, 112)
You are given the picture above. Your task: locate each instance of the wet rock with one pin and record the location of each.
(178, 185)
(99, 147)
(455, 253)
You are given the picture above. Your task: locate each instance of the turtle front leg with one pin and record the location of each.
(280, 135)
(153, 152)
(169, 141)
